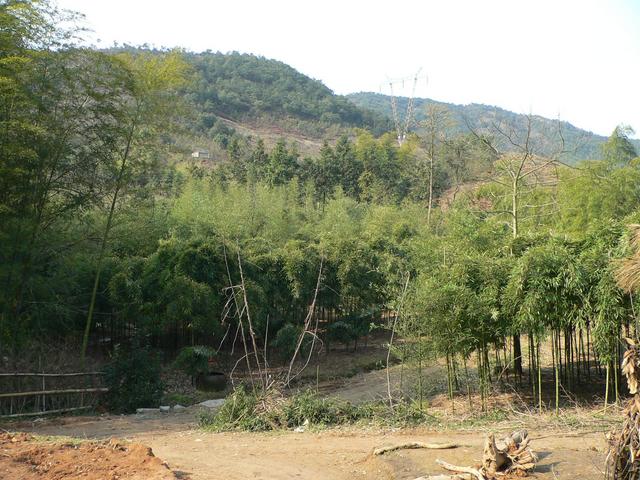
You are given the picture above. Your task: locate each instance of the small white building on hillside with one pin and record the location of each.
(201, 154)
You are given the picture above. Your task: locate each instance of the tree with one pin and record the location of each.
(57, 112)
(618, 149)
(282, 164)
(144, 111)
(436, 124)
(520, 171)
(348, 167)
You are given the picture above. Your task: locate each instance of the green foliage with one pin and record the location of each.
(618, 149)
(98, 213)
(194, 360)
(585, 145)
(242, 410)
(133, 379)
(243, 86)
(286, 342)
(341, 332)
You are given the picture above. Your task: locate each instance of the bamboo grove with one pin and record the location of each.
(108, 231)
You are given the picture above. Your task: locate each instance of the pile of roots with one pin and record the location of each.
(623, 460)
(510, 457)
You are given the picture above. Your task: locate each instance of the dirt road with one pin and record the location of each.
(343, 454)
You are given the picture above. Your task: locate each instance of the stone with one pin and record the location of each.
(212, 403)
(142, 411)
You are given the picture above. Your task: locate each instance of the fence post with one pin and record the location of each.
(44, 388)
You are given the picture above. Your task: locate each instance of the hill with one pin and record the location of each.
(264, 93)
(584, 145)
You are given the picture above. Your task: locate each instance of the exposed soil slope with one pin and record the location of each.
(25, 458)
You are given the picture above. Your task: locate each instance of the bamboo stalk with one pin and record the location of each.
(48, 412)
(53, 392)
(49, 374)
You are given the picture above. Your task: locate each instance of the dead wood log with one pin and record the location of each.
(459, 469)
(462, 476)
(493, 459)
(414, 445)
(509, 456)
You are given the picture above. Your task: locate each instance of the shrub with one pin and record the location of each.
(194, 360)
(133, 379)
(287, 339)
(243, 410)
(341, 332)
(308, 406)
(238, 412)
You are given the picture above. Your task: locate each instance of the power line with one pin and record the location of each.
(404, 124)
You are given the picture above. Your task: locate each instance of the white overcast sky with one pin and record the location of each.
(574, 59)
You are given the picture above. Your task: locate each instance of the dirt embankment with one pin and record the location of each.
(24, 458)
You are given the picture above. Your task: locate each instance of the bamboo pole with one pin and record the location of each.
(48, 412)
(53, 392)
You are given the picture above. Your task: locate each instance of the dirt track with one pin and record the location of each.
(327, 455)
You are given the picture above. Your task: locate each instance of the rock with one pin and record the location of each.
(142, 411)
(179, 407)
(212, 403)
(303, 427)
(165, 408)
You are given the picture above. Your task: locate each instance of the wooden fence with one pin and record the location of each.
(33, 394)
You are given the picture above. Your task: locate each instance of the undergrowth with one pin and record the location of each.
(244, 410)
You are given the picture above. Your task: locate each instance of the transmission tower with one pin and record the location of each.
(403, 124)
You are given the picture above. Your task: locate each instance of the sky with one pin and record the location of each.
(577, 60)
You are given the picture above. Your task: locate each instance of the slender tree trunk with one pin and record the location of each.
(420, 376)
(539, 378)
(606, 389)
(430, 188)
(466, 374)
(105, 237)
(615, 380)
(517, 356)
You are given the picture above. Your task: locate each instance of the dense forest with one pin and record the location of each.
(467, 249)
(244, 87)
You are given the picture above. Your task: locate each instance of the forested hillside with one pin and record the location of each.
(260, 91)
(254, 96)
(584, 145)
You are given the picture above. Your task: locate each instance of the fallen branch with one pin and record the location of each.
(459, 469)
(462, 476)
(414, 445)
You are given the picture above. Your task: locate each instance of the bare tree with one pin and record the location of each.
(436, 123)
(527, 154)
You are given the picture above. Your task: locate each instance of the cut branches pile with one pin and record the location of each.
(623, 459)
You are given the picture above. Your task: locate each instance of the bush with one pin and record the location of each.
(341, 332)
(308, 406)
(243, 410)
(133, 379)
(238, 412)
(194, 360)
(287, 339)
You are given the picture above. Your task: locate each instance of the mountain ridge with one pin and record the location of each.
(586, 144)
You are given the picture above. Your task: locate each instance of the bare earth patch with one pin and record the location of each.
(25, 458)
